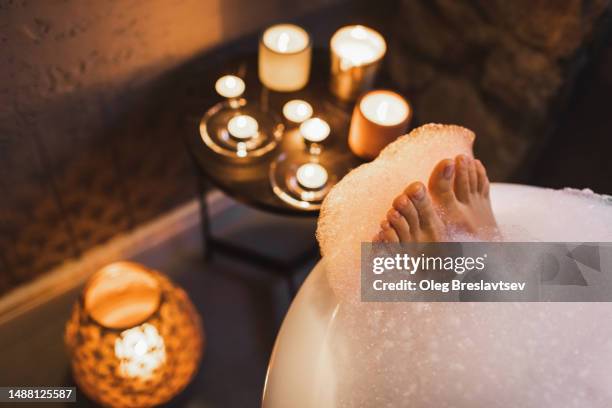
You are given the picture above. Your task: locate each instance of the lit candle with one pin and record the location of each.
(285, 52)
(297, 110)
(243, 126)
(314, 130)
(356, 52)
(311, 176)
(230, 86)
(378, 119)
(140, 350)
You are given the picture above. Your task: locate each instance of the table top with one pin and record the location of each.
(249, 182)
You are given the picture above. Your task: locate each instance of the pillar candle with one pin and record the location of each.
(356, 54)
(379, 117)
(285, 52)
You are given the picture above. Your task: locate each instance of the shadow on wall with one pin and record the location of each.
(85, 150)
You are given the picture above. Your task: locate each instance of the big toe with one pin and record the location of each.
(441, 183)
(483, 180)
(462, 178)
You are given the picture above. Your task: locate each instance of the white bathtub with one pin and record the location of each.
(329, 354)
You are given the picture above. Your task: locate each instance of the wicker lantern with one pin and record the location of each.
(134, 339)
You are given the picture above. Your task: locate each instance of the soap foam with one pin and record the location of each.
(354, 208)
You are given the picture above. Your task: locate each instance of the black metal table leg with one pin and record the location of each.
(204, 219)
(212, 244)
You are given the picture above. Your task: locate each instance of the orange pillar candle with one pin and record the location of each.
(379, 118)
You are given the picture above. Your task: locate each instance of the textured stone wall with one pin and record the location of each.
(82, 153)
(502, 68)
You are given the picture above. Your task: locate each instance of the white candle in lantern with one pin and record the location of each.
(356, 52)
(140, 350)
(311, 176)
(297, 110)
(384, 108)
(284, 57)
(230, 86)
(243, 126)
(314, 130)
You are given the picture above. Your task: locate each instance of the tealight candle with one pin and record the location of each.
(378, 119)
(243, 126)
(230, 86)
(297, 110)
(356, 52)
(311, 176)
(314, 130)
(285, 52)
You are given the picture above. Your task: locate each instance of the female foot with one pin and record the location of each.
(457, 201)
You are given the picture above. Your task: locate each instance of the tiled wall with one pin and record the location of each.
(84, 150)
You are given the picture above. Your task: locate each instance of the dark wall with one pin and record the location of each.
(83, 152)
(506, 69)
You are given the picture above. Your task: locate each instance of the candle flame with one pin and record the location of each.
(283, 42)
(383, 110)
(230, 82)
(140, 350)
(359, 32)
(302, 110)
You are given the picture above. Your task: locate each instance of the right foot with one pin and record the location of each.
(458, 200)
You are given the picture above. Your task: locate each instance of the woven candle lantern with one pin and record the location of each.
(134, 338)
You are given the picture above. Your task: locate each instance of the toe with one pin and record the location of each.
(462, 178)
(399, 224)
(472, 175)
(389, 233)
(405, 207)
(483, 180)
(419, 197)
(441, 183)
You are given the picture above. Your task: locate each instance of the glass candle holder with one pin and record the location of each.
(134, 338)
(239, 131)
(356, 55)
(301, 182)
(285, 52)
(314, 131)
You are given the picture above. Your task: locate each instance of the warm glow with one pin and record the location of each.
(243, 126)
(358, 45)
(312, 176)
(285, 53)
(384, 108)
(141, 350)
(122, 295)
(314, 130)
(286, 38)
(230, 86)
(297, 110)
